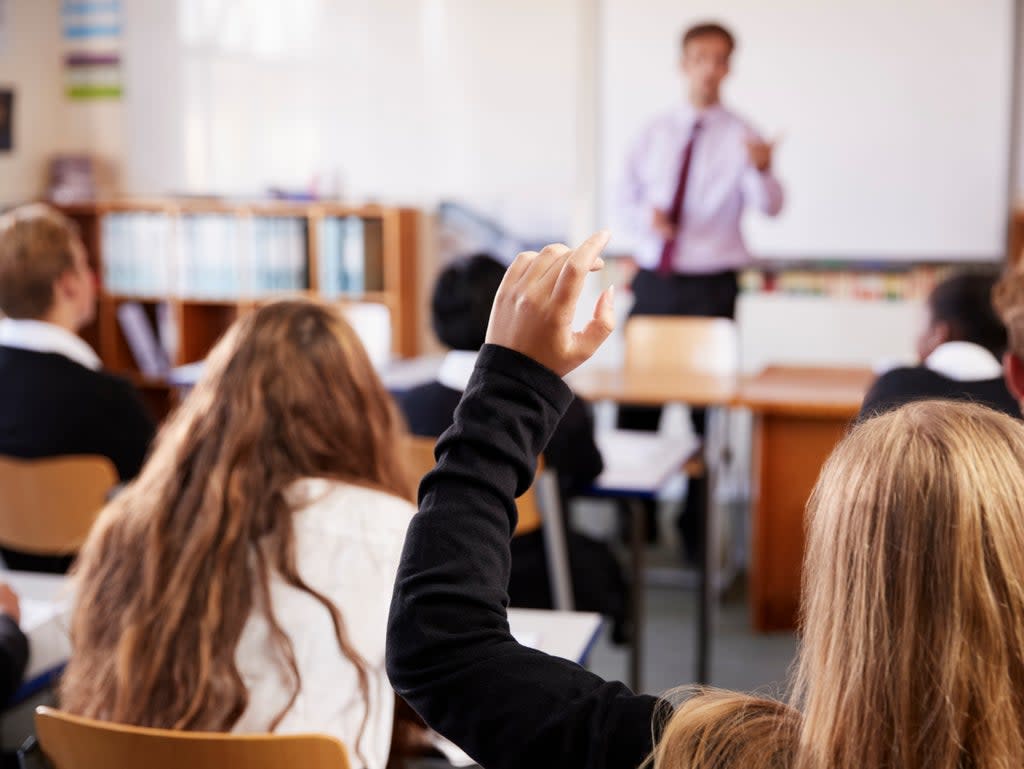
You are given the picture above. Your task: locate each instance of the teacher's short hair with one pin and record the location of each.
(708, 29)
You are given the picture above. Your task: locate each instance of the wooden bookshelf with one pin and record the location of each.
(391, 238)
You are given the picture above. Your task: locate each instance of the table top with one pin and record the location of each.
(46, 607)
(796, 390)
(653, 388)
(45, 618)
(801, 391)
(566, 634)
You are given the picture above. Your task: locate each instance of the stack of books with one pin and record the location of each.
(343, 262)
(203, 256)
(276, 255)
(137, 250)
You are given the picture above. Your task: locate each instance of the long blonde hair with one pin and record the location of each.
(179, 561)
(912, 650)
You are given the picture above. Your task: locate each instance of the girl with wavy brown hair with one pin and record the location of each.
(912, 654)
(242, 582)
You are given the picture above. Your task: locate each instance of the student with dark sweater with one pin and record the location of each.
(54, 398)
(960, 351)
(461, 306)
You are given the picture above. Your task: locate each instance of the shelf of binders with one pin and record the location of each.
(181, 271)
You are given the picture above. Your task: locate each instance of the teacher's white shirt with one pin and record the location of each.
(720, 185)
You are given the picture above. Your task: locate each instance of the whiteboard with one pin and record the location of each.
(894, 117)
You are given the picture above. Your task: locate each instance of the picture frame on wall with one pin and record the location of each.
(6, 119)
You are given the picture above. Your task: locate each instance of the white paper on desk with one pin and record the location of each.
(527, 638)
(45, 623)
(35, 613)
(452, 752)
(642, 461)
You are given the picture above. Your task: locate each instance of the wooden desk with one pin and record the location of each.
(657, 388)
(800, 414)
(641, 388)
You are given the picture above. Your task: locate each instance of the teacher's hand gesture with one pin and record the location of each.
(535, 305)
(760, 153)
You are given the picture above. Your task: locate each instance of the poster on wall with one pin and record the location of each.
(92, 49)
(6, 119)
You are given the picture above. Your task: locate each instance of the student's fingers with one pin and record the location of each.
(599, 328)
(518, 268)
(580, 262)
(549, 257)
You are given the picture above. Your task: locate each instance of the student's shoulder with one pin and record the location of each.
(902, 376)
(736, 122)
(335, 507)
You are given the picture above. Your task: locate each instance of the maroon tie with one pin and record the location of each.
(675, 214)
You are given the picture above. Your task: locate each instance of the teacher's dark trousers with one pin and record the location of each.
(711, 296)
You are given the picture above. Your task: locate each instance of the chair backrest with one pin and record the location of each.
(73, 742)
(421, 461)
(670, 344)
(47, 506)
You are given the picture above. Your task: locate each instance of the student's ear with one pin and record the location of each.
(1013, 373)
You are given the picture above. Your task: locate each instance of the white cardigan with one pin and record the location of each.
(348, 541)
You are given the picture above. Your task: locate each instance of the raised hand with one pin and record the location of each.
(536, 303)
(662, 225)
(760, 153)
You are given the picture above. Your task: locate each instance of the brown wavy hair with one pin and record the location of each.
(912, 649)
(179, 561)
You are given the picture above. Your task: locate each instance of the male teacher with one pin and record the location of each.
(691, 174)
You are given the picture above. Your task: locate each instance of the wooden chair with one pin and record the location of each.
(73, 742)
(47, 506)
(680, 345)
(421, 460)
(538, 507)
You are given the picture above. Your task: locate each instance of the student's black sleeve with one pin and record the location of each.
(127, 428)
(572, 450)
(13, 657)
(449, 651)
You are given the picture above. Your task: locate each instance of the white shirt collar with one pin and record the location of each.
(687, 114)
(456, 369)
(964, 362)
(40, 336)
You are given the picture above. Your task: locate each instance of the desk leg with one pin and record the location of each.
(790, 451)
(638, 544)
(706, 596)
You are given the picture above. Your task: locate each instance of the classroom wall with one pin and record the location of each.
(46, 122)
(29, 61)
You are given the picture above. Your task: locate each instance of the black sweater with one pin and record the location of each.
(903, 385)
(13, 657)
(430, 408)
(449, 653)
(52, 406)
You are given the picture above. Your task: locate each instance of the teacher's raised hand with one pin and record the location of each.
(536, 303)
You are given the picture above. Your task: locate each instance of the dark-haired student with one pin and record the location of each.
(960, 352)
(460, 308)
(54, 398)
